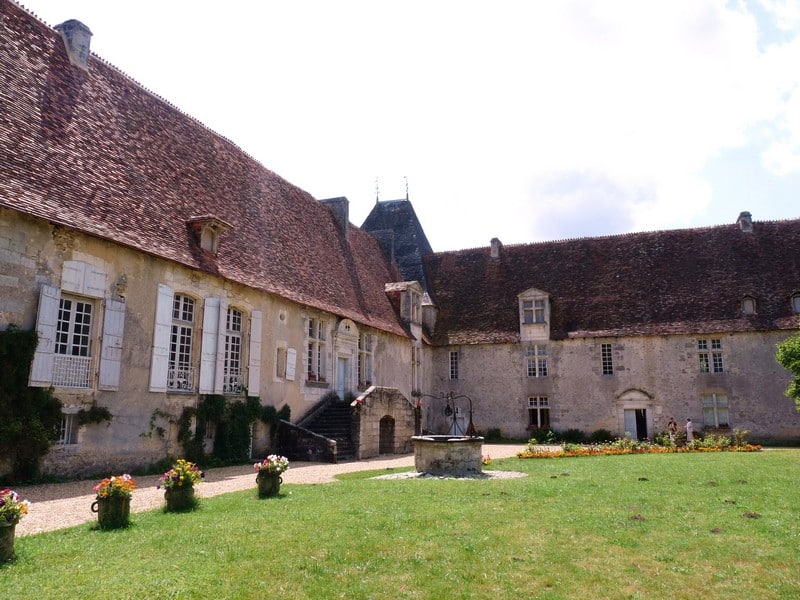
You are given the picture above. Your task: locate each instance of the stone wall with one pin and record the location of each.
(659, 375)
(379, 403)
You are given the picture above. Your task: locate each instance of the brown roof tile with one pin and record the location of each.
(657, 283)
(97, 152)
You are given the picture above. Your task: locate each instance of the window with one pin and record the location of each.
(180, 372)
(537, 360)
(315, 350)
(715, 410)
(232, 382)
(453, 364)
(280, 362)
(748, 305)
(606, 360)
(710, 355)
(538, 412)
(68, 432)
(416, 361)
(533, 311)
(68, 324)
(73, 358)
(415, 307)
(365, 358)
(796, 304)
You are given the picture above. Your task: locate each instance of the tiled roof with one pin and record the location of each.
(664, 282)
(395, 224)
(97, 152)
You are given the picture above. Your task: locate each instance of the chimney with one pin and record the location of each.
(76, 38)
(497, 246)
(340, 207)
(745, 222)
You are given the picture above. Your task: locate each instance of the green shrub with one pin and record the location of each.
(30, 417)
(600, 436)
(493, 435)
(574, 436)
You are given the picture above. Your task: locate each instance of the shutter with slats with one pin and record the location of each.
(163, 327)
(208, 350)
(46, 323)
(254, 359)
(111, 352)
(291, 363)
(222, 332)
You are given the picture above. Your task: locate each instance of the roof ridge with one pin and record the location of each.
(624, 235)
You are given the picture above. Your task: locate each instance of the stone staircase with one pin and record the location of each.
(335, 423)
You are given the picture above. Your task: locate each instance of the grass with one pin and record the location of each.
(719, 525)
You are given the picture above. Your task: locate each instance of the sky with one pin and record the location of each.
(522, 120)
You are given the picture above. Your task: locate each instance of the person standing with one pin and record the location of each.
(689, 431)
(672, 429)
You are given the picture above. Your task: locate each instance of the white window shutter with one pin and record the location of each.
(291, 363)
(163, 328)
(73, 272)
(208, 350)
(46, 322)
(222, 327)
(82, 278)
(94, 283)
(111, 353)
(254, 359)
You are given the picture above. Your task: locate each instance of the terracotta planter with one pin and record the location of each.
(180, 498)
(6, 541)
(269, 484)
(113, 512)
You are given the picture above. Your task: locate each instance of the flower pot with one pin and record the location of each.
(269, 484)
(6, 541)
(113, 512)
(180, 498)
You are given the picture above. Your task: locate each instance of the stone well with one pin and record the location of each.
(448, 454)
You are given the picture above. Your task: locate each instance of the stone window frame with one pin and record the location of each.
(538, 406)
(606, 359)
(714, 407)
(454, 365)
(181, 369)
(710, 355)
(234, 352)
(537, 359)
(316, 348)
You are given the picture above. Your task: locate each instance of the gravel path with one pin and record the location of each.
(58, 505)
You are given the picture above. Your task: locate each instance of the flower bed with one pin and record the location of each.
(625, 446)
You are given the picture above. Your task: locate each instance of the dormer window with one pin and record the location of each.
(748, 305)
(796, 303)
(534, 315)
(533, 311)
(207, 230)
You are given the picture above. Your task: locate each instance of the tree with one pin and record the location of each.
(30, 418)
(788, 356)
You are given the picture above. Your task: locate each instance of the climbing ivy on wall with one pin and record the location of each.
(232, 420)
(30, 417)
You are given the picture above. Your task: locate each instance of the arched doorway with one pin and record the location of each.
(635, 414)
(386, 436)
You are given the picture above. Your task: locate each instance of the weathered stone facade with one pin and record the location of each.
(385, 420)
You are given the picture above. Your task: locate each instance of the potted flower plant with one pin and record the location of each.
(113, 503)
(269, 475)
(12, 509)
(178, 484)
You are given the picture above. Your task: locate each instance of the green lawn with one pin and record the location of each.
(698, 525)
